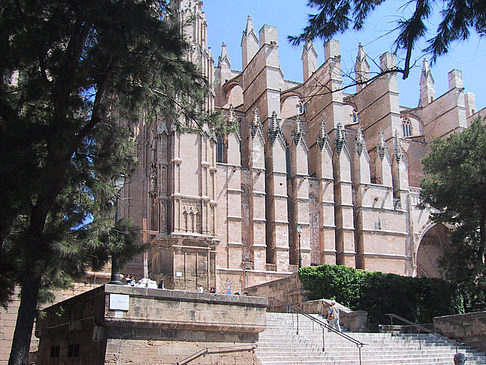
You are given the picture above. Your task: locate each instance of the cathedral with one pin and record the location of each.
(314, 174)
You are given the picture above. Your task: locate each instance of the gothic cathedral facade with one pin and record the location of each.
(313, 175)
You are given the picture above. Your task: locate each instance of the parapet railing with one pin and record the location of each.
(216, 350)
(419, 330)
(324, 326)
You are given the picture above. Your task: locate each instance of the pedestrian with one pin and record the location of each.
(201, 289)
(129, 280)
(459, 359)
(333, 316)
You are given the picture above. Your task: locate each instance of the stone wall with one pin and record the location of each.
(469, 328)
(280, 292)
(356, 321)
(150, 326)
(8, 317)
(290, 290)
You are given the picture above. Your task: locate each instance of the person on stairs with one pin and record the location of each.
(333, 316)
(459, 359)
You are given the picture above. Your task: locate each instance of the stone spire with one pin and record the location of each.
(249, 26)
(224, 60)
(249, 43)
(427, 88)
(382, 148)
(360, 141)
(309, 59)
(361, 68)
(340, 138)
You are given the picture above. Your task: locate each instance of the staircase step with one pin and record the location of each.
(281, 343)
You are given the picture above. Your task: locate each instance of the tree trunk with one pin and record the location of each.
(482, 237)
(19, 354)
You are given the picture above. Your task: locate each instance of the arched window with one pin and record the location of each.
(406, 127)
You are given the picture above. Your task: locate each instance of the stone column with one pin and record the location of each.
(343, 195)
(299, 198)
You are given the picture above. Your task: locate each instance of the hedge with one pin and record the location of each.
(416, 299)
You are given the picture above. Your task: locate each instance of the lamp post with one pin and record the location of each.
(299, 231)
(118, 183)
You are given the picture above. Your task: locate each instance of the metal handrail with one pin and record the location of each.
(216, 350)
(324, 325)
(419, 328)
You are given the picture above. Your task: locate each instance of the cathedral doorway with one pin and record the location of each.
(430, 250)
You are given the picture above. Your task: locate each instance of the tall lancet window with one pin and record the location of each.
(287, 162)
(406, 127)
(221, 150)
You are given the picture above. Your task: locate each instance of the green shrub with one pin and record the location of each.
(416, 299)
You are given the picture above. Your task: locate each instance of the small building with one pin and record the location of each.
(121, 324)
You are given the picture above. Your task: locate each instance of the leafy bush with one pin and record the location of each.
(416, 299)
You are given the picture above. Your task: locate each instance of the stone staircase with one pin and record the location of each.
(279, 344)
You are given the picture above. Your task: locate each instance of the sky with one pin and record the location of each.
(227, 20)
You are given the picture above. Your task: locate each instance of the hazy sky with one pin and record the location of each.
(227, 19)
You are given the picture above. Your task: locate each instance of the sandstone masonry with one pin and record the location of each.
(344, 167)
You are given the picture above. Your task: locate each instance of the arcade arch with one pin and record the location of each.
(431, 247)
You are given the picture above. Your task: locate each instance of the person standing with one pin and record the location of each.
(333, 316)
(459, 359)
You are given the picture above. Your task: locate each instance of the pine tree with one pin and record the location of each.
(459, 17)
(76, 76)
(455, 187)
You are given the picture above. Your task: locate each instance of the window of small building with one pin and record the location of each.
(55, 350)
(73, 350)
(406, 127)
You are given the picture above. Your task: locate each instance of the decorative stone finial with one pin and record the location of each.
(256, 122)
(299, 130)
(322, 136)
(397, 147)
(274, 127)
(340, 140)
(382, 148)
(360, 141)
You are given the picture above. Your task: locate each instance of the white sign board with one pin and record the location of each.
(119, 302)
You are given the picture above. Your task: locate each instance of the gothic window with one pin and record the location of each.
(192, 222)
(406, 127)
(186, 223)
(287, 161)
(221, 153)
(355, 116)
